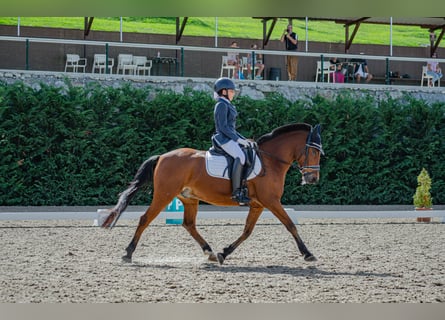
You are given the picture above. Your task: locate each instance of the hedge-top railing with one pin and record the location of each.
(183, 49)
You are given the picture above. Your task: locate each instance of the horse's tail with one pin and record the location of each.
(143, 177)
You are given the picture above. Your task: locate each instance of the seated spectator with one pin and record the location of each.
(339, 72)
(233, 59)
(433, 70)
(361, 70)
(258, 63)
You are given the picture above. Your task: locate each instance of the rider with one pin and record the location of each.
(227, 137)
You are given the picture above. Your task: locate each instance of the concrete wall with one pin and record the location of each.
(51, 57)
(291, 90)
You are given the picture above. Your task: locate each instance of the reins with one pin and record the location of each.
(291, 164)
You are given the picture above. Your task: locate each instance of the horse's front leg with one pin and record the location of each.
(251, 220)
(282, 215)
(190, 212)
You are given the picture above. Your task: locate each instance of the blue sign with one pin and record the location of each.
(175, 211)
(175, 206)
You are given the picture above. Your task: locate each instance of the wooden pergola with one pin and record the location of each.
(432, 24)
(180, 26)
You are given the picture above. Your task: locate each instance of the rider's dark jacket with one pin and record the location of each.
(225, 122)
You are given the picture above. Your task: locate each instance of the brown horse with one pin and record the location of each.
(182, 173)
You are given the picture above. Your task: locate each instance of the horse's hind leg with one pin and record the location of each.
(251, 220)
(190, 212)
(144, 221)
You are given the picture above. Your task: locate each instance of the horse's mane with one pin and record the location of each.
(282, 130)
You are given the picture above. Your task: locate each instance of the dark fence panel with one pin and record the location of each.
(196, 64)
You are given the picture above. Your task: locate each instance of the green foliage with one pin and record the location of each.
(422, 197)
(82, 145)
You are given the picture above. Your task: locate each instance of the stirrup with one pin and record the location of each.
(240, 196)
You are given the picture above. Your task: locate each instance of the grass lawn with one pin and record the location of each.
(236, 27)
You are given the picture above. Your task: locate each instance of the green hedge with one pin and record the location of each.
(82, 145)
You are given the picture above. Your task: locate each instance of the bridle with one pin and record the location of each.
(303, 169)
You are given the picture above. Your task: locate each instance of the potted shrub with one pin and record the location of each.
(422, 198)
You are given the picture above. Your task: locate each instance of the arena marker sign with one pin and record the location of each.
(174, 212)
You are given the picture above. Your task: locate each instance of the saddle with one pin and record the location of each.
(219, 164)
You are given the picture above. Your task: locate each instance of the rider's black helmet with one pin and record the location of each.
(223, 83)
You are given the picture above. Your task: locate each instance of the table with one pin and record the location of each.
(160, 62)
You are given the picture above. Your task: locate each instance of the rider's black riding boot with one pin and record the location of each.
(239, 193)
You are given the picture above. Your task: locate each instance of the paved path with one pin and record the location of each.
(295, 212)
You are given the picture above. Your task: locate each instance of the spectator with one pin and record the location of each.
(290, 38)
(339, 72)
(233, 59)
(258, 63)
(433, 69)
(361, 70)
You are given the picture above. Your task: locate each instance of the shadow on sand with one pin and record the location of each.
(310, 271)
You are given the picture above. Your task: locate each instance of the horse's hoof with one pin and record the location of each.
(220, 258)
(310, 258)
(126, 259)
(212, 257)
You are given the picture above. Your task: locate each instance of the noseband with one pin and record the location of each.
(305, 167)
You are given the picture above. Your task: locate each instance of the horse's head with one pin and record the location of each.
(309, 160)
(283, 146)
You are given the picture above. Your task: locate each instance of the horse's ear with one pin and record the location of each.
(316, 138)
(316, 132)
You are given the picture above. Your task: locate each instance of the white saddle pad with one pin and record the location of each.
(217, 166)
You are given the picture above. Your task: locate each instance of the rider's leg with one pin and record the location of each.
(239, 192)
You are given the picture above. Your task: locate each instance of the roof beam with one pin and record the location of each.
(267, 34)
(436, 41)
(180, 28)
(88, 22)
(348, 41)
(356, 23)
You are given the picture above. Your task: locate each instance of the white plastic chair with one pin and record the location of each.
(75, 62)
(99, 63)
(244, 68)
(327, 71)
(428, 78)
(125, 63)
(143, 65)
(230, 69)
